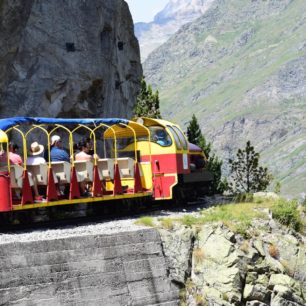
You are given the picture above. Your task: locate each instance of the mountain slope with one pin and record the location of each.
(176, 13)
(241, 68)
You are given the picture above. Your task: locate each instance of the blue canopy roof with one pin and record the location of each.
(9, 122)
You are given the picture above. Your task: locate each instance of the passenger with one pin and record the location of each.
(14, 157)
(86, 148)
(57, 152)
(36, 150)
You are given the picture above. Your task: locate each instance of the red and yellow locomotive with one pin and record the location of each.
(137, 158)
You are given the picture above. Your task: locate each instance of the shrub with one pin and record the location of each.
(245, 247)
(146, 221)
(273, 251)
(286, 212)
(242, 229)
(198, 255)
(167, 223)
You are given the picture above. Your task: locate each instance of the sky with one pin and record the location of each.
(145, 10)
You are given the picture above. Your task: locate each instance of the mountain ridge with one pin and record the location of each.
(175, 14)
(241, 69)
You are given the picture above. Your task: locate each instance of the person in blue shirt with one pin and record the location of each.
(57, 152)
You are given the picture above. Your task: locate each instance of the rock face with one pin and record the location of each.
(167, 22)
(243, 81)
(119, 269)
(68, 59)
(227, 269)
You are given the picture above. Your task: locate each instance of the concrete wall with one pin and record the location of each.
(118, 269)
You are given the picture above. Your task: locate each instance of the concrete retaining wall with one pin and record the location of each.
(118, 269)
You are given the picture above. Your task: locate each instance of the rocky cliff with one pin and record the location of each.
(241, 69)
(175, 14)
(67, 59)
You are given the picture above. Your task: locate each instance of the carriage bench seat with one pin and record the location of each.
(40, 173)
(84, 171)
(16, 176)
(106, 168)
(126, 167)
(61, 171)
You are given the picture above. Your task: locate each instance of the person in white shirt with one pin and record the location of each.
(36, 149)
(34, 158)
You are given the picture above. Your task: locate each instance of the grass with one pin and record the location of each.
(239, 212)
(287, 213)
(237, 216)
(167, 223)
(146, 221)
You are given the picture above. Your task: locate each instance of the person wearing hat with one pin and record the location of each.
(57, 152)
(33, 158)
(36, 149)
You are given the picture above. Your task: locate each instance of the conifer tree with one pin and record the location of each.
(247, 176)
(214, 163)
(196, 137)
(147, 104)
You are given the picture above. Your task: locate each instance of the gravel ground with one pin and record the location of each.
(105, 227)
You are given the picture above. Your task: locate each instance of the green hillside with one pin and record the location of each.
(241, 68)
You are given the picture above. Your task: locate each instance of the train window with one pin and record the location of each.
(176, 138)
(182, 137)
(160, 136)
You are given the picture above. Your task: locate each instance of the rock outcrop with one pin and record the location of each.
(68, 59)
(227, 269)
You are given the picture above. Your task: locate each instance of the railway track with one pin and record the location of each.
(82, 214)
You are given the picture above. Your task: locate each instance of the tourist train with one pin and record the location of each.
(137, 158)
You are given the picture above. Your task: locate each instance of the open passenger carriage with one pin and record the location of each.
(115, 175)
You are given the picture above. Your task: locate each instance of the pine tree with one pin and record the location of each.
(196, 137)
(147, 104)
(214, 163)
(247, 176)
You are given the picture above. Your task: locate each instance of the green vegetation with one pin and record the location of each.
(146, 221)
(195, 136)
(287, 213)
(167, 223)
(214, 163)
(246, 175)
(147, 104)
(238, 216)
